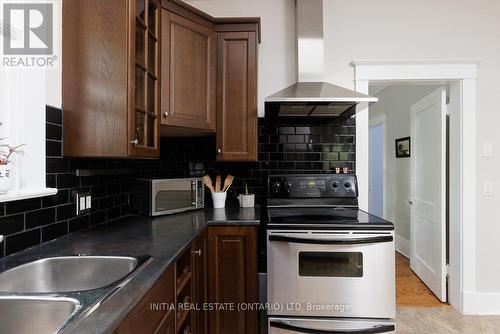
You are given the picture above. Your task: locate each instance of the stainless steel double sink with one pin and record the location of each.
(52, 294)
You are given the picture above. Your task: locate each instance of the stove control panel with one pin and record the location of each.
(313, 185)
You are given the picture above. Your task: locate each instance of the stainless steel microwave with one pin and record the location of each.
(154, 197)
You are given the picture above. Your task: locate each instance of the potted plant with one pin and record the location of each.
(247, 200)
(6, 175)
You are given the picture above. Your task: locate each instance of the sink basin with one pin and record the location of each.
(66, 274)
(35, 315)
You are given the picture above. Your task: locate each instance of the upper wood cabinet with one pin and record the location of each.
(111, 78)
(188, 72)
(237, 95)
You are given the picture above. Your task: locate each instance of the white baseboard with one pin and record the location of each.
(481, 303)
(402, 245)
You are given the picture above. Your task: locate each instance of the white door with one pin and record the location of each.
(376, 170)
(428, 191)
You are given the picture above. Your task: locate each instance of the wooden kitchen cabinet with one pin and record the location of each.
(232, 278)
(111, 78)
(188, 72)
(167, 326)
(144, 320)
(236, 95)
(219, 266)
(200, 283)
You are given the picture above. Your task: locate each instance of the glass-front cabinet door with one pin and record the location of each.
(145, 47)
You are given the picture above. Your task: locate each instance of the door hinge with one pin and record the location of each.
(447, 271)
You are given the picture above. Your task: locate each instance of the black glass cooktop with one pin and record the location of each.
(325, 217)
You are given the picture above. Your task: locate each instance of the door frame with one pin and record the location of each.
(382, 120)
(463, 169)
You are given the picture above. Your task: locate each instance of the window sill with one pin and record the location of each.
(27, 193)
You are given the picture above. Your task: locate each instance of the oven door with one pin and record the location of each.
(334, 274)
(328, 326)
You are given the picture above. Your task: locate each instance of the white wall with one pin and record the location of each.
(277, 55)
(392, 29)
(395, 102)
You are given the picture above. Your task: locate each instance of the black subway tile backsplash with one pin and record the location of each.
(12, 224)
(53, 231)
(303, 145)
(40, 217)
(79, 223)
(53, 115)
(53, 131)
(23, 205)
(20, 241)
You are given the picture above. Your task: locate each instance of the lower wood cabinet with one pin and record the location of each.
(220, 266)
(144, 319)
(200, 283)
(167, 325)
(232, 278)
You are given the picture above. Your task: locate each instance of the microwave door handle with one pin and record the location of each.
(371, 330)
(345, 241)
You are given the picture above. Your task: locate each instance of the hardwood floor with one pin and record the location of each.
(410, 290)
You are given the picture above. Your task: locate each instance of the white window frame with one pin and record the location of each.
(23, 113)
(25, 93)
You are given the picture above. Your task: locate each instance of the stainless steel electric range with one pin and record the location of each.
(330, 265)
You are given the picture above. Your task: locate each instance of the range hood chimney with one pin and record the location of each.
(311, 96)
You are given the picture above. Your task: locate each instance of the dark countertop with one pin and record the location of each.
(163, 238)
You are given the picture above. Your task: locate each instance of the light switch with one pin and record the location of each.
(487, 150)
(82, 203)
(488, 189)
(88, 205)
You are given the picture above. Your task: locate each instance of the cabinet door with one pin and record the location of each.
(200, 283)
(188, 71)
(142, 319)
(237, 96)
(144, 125)
(167, 326)
(232, 259)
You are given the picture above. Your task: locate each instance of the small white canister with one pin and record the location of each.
(247, 200)
(219, 199)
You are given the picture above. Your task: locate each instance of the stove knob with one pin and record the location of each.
(276, 186)
(335, 184)
(347, 184)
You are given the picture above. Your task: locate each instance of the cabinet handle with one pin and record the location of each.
(135, 142)
(165, 114)
(198, 252)
(219, 151)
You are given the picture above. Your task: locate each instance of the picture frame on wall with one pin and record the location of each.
(403, 147)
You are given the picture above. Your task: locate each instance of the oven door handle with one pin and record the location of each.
(371, 330)
(346, 241)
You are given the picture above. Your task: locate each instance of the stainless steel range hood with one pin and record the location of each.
(311, 96)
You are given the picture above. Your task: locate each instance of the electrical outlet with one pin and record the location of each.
(83, 202)
(487, 150)
(488, 189)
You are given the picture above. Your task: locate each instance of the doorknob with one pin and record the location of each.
(135, 142)
(219, 151)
